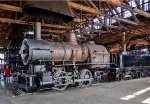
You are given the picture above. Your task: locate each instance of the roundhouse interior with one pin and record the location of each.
(58, 44)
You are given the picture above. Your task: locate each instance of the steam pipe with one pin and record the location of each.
(37, 30)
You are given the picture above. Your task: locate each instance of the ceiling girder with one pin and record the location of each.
(10, 8)
(8, 20)
(83, 8)
(53, 31)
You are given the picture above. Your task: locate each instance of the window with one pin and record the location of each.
(140, 2)
(145, 1)
(132, 3)
(96, 26)
(1, 61)
(113, 21)
(96, 20)
(127, 14)
(146, 6)
(119, 9)
(1, 56)
(102, 18)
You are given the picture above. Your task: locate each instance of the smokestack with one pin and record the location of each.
(72, 37)
(37, 30)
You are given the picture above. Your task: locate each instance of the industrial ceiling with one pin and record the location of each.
(112, 23)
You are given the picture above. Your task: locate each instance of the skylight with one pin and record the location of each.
(132, 3)
(127, 14)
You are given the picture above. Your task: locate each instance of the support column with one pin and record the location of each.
(124, 41)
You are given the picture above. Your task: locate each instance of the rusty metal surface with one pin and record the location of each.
(98, 54)
(72, 52)
(66, 52)
(72, 38)
(33, 50)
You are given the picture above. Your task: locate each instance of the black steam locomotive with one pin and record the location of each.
(135, 63)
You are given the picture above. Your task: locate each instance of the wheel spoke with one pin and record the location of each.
(61, 80)
(85, 74)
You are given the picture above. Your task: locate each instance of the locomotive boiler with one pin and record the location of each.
(59, 64)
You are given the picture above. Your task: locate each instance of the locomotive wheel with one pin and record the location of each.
(104, 78)
(85, 75)
(60, 80)
(119, 77)
(129, 76)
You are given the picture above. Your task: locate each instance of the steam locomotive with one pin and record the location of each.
(135, 63)
(57, 65)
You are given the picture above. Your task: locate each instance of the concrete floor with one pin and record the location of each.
(125, 92)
